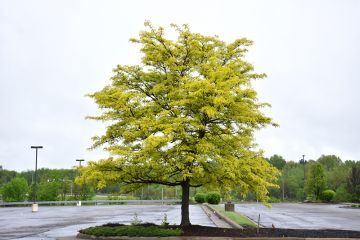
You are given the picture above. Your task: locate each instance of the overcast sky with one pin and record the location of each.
(52, 53)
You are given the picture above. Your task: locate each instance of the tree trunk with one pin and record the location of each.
(185, 220)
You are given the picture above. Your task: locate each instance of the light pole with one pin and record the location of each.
(303, 161)
(35, 206)
(80, 160)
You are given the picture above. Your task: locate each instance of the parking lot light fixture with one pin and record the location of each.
(303, 161)
(80, 160)
(35, 205)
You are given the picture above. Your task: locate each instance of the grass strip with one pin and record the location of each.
(236, 217)
(132, 231)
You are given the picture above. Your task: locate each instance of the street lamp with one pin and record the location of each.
(35, 205)
(80, 160)
(303, 161)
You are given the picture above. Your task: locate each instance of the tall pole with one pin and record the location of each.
(303, 161)
(80, 160)
(35, 206)
(304, 168)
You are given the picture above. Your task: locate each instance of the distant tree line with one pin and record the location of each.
(60, 184)
(313, 180)
(307, 181)
(52, 185)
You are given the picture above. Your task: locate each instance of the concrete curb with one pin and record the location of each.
(85, 236)
(198, 238)
(219, 222)
(224, 218)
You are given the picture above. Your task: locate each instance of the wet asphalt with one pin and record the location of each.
(52, 222)
(303, 215)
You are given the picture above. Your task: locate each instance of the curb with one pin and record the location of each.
(78, 237)
(219, 222)
(226, 219)
(85, 236)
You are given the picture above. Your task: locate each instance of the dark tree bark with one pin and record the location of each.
(185, 219)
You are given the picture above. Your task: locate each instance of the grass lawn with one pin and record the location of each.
(100, 197)
(236, 217)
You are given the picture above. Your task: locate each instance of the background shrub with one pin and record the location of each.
(200, 197)
(274, 200)
(213, 197)
(341, 195)
(327, 195)
(15, 190)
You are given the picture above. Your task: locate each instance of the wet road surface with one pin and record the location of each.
(52, 222)
(303, 216)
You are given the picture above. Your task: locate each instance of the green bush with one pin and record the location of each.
(15, 190)
(327, 195)
(274, 200)
(132, 231)
(200, 197)
(310, 198)
(342, 195)
(48, 191)
(213, 198)
(191, 200)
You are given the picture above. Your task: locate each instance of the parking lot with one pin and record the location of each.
(52, 222)
(303, 216)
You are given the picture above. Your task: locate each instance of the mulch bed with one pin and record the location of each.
(196, 230)
(203, 231)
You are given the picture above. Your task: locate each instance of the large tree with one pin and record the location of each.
(329, 162)
(185, 117)
(354, 181)
(6, 176)
(316, 181)
(277, 161)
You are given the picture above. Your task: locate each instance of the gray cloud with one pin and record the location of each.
(53, 53)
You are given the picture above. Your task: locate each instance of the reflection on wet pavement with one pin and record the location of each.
(303, 216)
(52, 222)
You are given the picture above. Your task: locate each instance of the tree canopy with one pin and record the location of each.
(316, 181)
(329, 161)
(354, 181)
(186, 116)
(277, 161)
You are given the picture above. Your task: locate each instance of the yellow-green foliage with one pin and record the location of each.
(187, 113)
